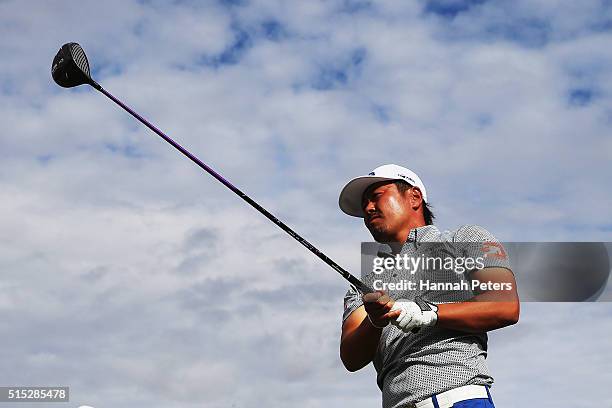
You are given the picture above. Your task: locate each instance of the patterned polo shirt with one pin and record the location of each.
(413, 366)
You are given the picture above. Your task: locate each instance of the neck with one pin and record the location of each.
(397, 241)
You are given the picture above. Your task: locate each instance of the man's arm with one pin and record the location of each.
(489, 310)
(360, 337)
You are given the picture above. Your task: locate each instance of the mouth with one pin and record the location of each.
(372, 218)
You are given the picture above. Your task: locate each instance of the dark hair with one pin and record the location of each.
(429, 216)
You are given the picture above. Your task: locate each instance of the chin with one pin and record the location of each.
(378, 233)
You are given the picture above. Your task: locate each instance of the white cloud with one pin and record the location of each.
(151, 282)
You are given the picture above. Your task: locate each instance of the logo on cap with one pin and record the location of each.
(406, 177)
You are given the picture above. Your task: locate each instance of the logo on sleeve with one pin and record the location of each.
(494, 250)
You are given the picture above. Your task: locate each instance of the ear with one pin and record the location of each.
(415, 198)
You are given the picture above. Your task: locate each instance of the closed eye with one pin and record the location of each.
(373, 197)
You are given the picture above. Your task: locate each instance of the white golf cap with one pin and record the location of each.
(352, 193)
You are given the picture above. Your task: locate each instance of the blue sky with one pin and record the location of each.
(137, 280)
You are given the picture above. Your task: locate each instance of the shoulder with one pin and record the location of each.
(472, 233)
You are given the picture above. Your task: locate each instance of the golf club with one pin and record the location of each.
(70, 68)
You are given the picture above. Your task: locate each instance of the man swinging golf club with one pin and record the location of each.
(431, 352)
(428, 346)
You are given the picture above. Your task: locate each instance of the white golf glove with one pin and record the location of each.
(413, 316)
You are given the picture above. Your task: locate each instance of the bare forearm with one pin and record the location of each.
(489, 310)
(361, 332)
(478, 316)
(358, 346)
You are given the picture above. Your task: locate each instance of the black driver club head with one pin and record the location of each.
(70, 67)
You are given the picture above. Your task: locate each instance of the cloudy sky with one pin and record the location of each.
(133, 277)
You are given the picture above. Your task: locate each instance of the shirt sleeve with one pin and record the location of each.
(480, 243)
(352, 301)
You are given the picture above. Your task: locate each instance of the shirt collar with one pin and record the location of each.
(417, 234)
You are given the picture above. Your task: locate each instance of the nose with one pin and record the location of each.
(369, 207)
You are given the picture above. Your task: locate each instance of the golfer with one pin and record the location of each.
(428, 346)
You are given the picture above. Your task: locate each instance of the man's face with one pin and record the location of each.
(387, 211)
